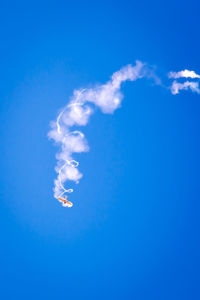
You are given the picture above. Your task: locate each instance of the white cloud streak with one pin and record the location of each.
(108, 98)
(183, 74)
(176, 87)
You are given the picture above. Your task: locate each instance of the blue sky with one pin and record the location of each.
(133, 232)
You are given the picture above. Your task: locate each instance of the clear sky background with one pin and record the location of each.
(133, 232)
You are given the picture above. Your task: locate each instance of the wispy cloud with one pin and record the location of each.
(185, 73)
(176, 87)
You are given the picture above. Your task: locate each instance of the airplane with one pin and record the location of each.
(65, 202)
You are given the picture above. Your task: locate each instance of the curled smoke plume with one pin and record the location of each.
(108, 98)
(77, 113)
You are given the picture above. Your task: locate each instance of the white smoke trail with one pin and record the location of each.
(185, 73)
(177, 86)
(108, 98)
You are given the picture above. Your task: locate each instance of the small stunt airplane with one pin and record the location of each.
(65, 202)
